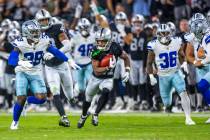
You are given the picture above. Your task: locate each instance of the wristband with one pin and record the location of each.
(127, 68)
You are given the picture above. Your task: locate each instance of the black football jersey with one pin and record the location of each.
(138, 47)
(117, 37)
(53, 33)
(96, 54)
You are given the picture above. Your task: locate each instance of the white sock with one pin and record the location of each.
(199, 99)
(192, 99)
(185, 101)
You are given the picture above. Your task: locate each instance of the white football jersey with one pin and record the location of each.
(33, 53)
(194, 41)
(166, 56)
(81, 48)
(205, 43)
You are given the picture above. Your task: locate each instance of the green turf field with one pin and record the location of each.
(112, 126)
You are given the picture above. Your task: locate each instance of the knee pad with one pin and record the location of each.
(203, 86)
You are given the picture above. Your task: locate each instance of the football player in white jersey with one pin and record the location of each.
(201, 31)
(26, 58)
(81, 45)
(167, 53)
(193, 46)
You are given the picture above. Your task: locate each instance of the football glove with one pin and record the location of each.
(48, 56)
(73, 64)
(184, 67)
(25, 64)
(126, 77)
(153, 80)
(78, 11)
(112, 62)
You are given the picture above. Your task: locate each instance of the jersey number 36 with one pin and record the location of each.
(169, 59)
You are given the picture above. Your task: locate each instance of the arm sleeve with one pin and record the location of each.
(57, 53)
(13, 58)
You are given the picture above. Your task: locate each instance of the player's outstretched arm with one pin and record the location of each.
(57, 53)
(77, 15)
(103, 23)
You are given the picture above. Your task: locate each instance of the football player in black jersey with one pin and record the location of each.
(138, 54)
(57, 71)
(102, 77)
(123, 36)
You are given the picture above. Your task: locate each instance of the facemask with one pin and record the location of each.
(84, 33)
(120, 27)
(164, 40)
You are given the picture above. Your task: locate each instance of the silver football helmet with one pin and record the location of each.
(16, 25)
(6, 24)
(164, 33)
(172, 27)
(13, 34)
(31, 30)
(137, 22)
(198, 27)
(103, 38)
(197, 16)
(43, 17)
(121, 18)
(84, 26)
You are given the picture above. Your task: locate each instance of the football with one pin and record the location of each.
(105, 61)
(201, 53)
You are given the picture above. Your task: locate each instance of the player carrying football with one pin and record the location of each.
(102, 76)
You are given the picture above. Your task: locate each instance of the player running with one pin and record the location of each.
(102, 76)
(199, 27)
(80, 45)
(58, 68)
(167, 53)
(26, 58)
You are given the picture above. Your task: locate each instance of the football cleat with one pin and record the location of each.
(208, 121)
(14, 125)
(64, 121)
(95, 120)
(81, 121)
(189, 122)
